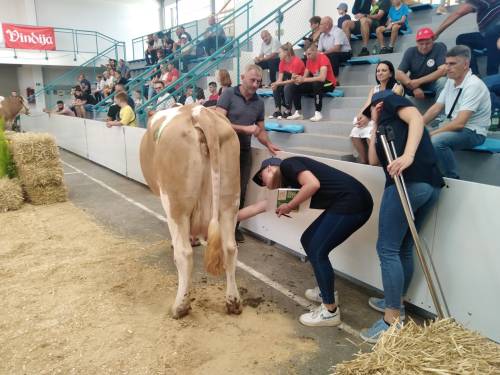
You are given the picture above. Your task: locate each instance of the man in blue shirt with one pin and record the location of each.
(214, 36)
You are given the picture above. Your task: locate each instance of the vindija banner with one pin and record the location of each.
(28, 37)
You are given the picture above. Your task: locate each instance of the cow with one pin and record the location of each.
(11, 107)
(190, 157)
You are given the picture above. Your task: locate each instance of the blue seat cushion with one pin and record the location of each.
(268, 93)
(491, 145)
(364, 60)
(284, 128)
(337, 93)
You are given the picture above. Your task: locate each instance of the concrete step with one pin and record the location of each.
(330, 103)
(356, 90)
(323, 153)
(342, 128)
(324, 141)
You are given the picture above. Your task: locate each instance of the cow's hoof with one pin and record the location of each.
(233, 307)
(180, 312)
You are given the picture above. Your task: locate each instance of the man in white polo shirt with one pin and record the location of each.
(269, 54)
(334, 43)
(466, 102)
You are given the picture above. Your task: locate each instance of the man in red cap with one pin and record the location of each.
(422, 70)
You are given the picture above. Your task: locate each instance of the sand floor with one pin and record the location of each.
(77, 299)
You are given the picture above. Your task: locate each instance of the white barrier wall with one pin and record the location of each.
(461, 232)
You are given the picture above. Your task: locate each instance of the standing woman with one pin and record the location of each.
(224, 80)
(290, 66)
(347, 205)
(385, 76)
(417, 163)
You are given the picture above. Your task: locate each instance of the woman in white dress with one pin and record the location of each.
(360, 134)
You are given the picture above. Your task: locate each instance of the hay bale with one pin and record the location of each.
(33, 148)
(11, 194)
(48, 194)
(34, 175)
(442, 347)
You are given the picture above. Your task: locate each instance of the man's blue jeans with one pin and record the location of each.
(395, 242)
(447, 142)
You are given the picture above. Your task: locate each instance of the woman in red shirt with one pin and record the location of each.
(171, 76)
(318, 79)
(290, 66)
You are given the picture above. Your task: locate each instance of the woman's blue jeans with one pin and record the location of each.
(395, 242)
(328, 231)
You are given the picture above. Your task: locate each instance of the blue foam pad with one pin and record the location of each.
(266, 93)
(284, 128)
(491, 145)
(337, 93)
(364, 60)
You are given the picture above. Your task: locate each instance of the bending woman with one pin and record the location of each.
(347, 205)
(361, 132)
(417, 163)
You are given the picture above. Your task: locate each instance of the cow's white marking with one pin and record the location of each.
(266, 280)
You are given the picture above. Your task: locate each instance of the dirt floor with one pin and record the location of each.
(77, 299)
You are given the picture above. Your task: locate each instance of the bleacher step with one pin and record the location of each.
(342, 128)
(318, 140)
(320, 152)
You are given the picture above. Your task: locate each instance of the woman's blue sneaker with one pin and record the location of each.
(373, 333)
(378, 304)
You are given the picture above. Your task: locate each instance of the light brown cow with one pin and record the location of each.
(190, 158)
(11, 107)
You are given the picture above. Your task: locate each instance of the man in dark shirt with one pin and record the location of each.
(426, 66)
(150, 54)
(366, 22)
(245, 111)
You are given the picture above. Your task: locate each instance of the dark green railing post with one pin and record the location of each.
(314, 8)
(238, 62)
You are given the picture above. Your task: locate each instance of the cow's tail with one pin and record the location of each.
(214, 255)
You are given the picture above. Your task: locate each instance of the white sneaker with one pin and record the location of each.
(321, 317)
(314, 295)
(295, 116)
(317, 117)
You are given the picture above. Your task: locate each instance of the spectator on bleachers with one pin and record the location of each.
(365, 22)
(82, 81)
(342, 9)
(268, 57)
(198, 95)
(168, 43)
(187, 97)
(314, 22)
(119, 79)
(224, 80)
(397, 20)
(171, 76)
(318, 79)
(182, 31)
(137, 96)
(212, 89)
(334, 43)
(157, 42)
(186, 50)
(124, 69)
(60, 109)
(361, 132)
(290, 66)
(488, 22)
(149, 39)
(422, 70)
(80, 98)
(150, 54)
(160, 55)
(466, 102)
(100, 83)
(441, 9)
(114, 109)
(164, 101)
(112, 64)
(214, 36)
(127, 114)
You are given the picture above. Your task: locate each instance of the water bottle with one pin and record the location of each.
(495, 120)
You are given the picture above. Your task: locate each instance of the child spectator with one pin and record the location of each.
(315, 32)
(137, 98)
(127, 115)
(398, 20)
(212, 89)
(342, 10)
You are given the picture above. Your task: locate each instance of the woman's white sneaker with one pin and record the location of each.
(314, 295)
(295, 116)
(321, 317)
(317, 117)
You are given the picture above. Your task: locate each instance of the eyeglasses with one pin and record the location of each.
(159, 88)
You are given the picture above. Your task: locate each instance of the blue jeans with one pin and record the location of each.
(328, 231)
(447, 142)
(395, 242)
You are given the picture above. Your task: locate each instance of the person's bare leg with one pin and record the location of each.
(394, 35)
(365, 30)
(380, 35)
(360, 146)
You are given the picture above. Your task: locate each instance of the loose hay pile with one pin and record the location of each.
(443, 347)
(37, 161)
(11, 194)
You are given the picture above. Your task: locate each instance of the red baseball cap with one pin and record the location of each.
(425, 33)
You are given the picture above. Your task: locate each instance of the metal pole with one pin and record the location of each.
(411, 224)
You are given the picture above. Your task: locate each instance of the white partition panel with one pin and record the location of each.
(133, 138)
(461, 232)
(106, 146)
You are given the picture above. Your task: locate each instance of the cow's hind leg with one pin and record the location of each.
(183, 257)
(227, 224)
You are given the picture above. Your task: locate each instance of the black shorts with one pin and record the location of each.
(357, 27)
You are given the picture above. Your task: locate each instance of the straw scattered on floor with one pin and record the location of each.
(442, 347)
(11, 194)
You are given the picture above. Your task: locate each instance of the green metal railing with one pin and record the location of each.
(175, 57)
(78, 41)
(208, 64)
